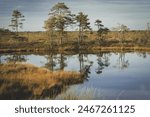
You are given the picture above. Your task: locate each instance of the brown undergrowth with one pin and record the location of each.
(26, 81)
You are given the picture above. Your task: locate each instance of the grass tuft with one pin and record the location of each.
(33, 82)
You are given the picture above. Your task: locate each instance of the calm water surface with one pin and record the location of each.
(109, 75)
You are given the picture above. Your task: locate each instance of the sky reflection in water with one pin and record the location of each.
(110, 75)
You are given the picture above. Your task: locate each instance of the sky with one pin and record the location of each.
(133, 13)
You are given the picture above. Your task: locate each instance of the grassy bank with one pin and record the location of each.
(25, 81)
(40, 41)
(74, 49)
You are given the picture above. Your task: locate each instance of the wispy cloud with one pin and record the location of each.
(134, 13)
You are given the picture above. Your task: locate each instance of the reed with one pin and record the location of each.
(79, 94)
(38, 82)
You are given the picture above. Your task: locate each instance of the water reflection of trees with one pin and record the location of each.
(61, 61)
(55, 62)
(102, 61)
(15, 58)
(58, 62)
(142, 54)
(0, 58)
(122, 62)
(85, 64)
(51, 61)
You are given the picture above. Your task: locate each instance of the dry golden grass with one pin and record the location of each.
(78, 94)
(115, 48)
(34, 36)
(36, 80)
(73, 35)
(40, 41)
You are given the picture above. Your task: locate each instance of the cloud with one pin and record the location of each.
(130, 12)
(19, 7)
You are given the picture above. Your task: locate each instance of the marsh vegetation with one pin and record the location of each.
(26, 81)
(118, 75)
(69, 56)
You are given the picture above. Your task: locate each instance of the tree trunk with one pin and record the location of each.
(61, 37)
(79, 39)
(62, 64)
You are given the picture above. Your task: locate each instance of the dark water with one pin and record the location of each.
(109, 75)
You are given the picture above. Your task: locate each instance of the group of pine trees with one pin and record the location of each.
(60, 19)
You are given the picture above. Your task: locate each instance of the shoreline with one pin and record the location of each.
(81, 50)
(34, 82)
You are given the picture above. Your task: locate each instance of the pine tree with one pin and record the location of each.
(17, 20)
(83, 23)
(60, 18)
(101, 30)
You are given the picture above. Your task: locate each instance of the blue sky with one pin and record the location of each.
(133, 13)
